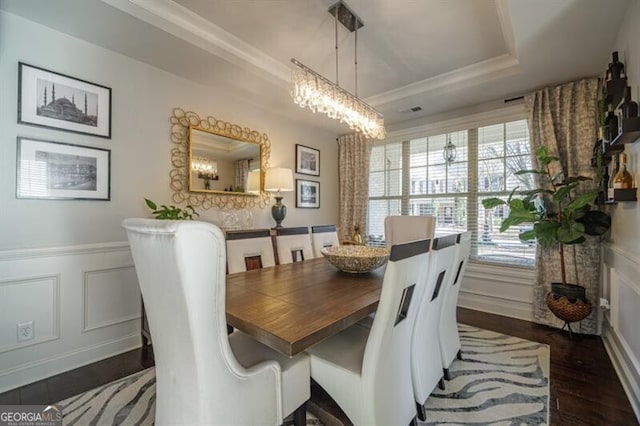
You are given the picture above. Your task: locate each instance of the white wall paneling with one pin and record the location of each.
(498, 289)
(620, 327)
(111, 296)
(29, 299)
(50, 287)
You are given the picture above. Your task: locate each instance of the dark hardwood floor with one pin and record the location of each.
(585, 389)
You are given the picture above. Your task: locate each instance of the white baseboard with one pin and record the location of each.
(513, 309)
(47, 367)
(627, 373)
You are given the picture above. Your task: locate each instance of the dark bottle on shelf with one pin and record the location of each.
(628, 108)
(612, 123)
(616, 68)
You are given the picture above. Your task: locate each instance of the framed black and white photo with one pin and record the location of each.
(51, 99)
(58, 170)
(307, 160)
(307, 194)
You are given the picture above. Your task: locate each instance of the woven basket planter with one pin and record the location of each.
(568, 311)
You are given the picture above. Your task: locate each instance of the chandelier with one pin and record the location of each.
(205, 168)
(311, 90)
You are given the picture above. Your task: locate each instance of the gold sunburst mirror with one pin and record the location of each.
(215, 163)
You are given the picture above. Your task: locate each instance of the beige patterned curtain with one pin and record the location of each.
(354, 152)
(564, 119)
(242, 171)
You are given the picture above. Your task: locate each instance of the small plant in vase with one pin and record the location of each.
(560, 218)
(171, 212)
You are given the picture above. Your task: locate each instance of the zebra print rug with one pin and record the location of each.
(502, 380)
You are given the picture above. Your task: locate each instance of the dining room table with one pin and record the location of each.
(294, 306)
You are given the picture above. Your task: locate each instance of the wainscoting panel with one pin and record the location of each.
(111, 296)
(35, 300)
(497, 289)
(620, 326)
(84, 301)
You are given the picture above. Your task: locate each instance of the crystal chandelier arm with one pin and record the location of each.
(336, 37)
(355, 59)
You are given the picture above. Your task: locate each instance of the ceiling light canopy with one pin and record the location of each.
(311, 90)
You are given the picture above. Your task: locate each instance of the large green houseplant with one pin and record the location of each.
(560, 212)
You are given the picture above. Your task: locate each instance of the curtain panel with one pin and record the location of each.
(354, 152)
(564, 118)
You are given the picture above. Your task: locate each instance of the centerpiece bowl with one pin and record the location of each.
(356, 259)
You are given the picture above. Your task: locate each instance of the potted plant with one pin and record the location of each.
(171, 212)
(560, 218)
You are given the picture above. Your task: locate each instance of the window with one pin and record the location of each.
(412, 178)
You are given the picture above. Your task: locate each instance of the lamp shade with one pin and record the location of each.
(278, 179)
(253, 182)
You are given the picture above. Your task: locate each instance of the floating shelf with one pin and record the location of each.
(609, 152)
(630, 131)
(625, 194)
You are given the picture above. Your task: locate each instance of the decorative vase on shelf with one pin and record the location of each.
(629, 108)
(623, 179)
(616, 68)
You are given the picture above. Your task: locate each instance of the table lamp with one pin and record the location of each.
(278, 180)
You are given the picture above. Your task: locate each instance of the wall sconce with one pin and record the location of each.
(278, 180)
(449, 152)
(206, 169)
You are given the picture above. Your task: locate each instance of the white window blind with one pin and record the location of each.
(412, 178)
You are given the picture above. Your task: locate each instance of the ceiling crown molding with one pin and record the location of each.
(179, 21)
(500, 66)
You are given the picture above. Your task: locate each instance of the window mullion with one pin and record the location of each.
(472, 199)
(406, 178)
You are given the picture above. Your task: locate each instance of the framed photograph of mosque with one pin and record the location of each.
(307, 160)
(54, 100)
(307, 194)
(56, 170)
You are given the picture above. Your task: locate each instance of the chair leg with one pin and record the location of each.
(300, 415)
(446, 374)
(229, 329)
(422, 413)
(459, 355)
(441, 384)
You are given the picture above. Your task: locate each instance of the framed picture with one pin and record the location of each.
(62, 171)
(307, 160)
(307, 194)
(50, 99)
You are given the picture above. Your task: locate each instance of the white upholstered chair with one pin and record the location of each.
(367, 371)
(400, 229)
(204, 376)
(426, 365)
(246, 248)
(449, 338)
(324, 236)
(293, 244)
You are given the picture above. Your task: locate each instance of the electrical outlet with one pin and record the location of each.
(604, 303)
(25, 331)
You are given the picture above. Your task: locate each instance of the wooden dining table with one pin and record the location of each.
(291, 307)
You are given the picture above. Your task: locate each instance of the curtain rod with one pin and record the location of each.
(517, 98)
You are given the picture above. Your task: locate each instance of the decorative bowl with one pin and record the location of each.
(356, 259)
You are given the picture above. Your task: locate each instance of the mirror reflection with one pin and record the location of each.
(222, 164)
